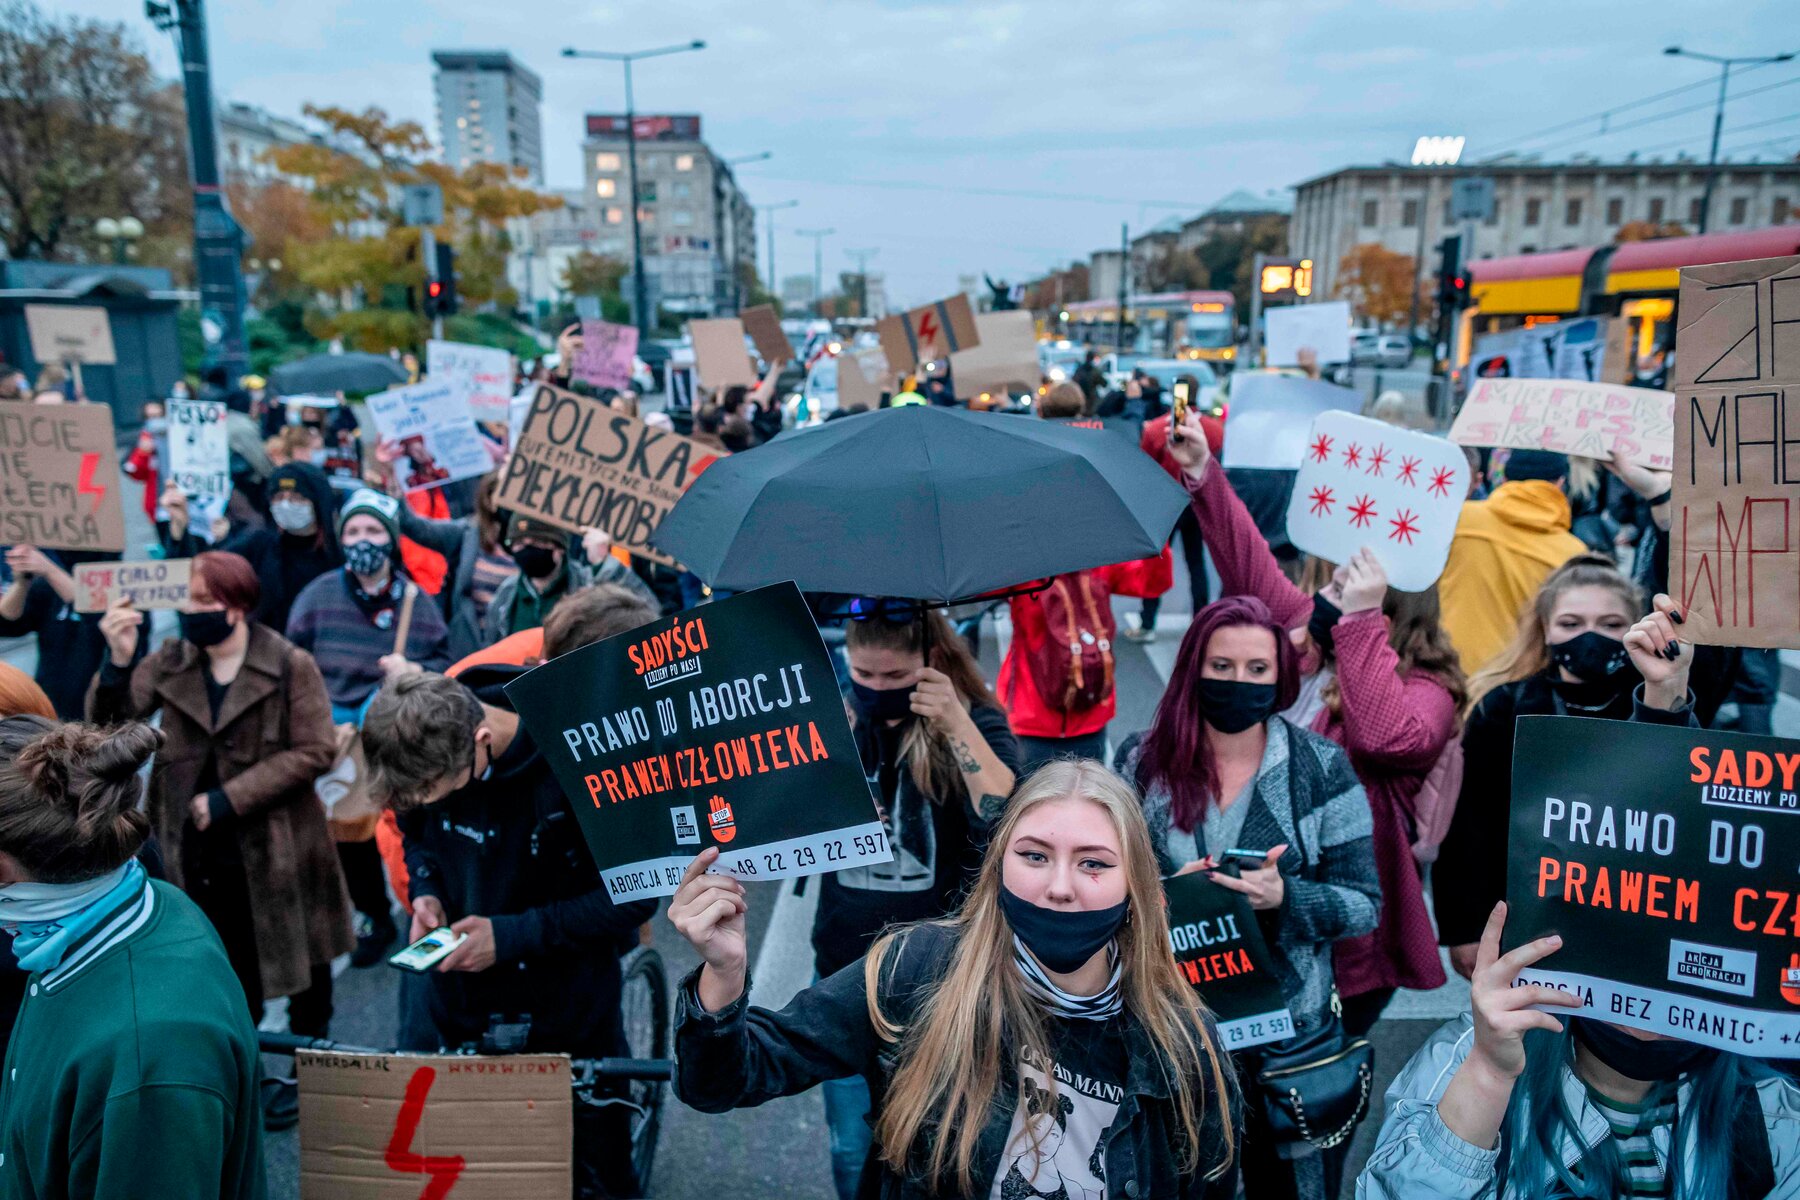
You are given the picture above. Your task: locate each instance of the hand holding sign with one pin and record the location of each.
(120, 628)
(709, 911)
(1364, 584)
(1659, 656)
(1504, 1013)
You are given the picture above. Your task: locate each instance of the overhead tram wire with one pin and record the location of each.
(1003, 193)
(1642, 121)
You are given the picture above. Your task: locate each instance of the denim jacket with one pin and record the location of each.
(742, 1056)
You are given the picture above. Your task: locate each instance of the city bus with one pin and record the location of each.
(1635, 281)
(1192, 325)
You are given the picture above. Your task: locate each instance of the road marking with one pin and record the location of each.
(784, 964)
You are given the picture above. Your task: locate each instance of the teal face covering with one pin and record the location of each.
(46, 919)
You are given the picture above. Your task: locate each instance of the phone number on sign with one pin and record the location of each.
(814, 854)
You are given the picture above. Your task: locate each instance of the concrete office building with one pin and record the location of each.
(488, 111)
(696, 228)
(1538, 206)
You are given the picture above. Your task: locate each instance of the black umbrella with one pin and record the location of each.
(923, 503)
(323, 374)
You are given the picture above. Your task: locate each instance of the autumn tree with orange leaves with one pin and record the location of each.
(1378, 283)
(365, 259)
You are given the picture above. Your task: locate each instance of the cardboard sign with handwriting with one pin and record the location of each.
(719, 353)
(928, 333)
(59, 477)
(1005, 359)
(152, 584)
(70, 333)
(465, 1127)
(1569, 416)
(607, 352)
(764, 328)
(579, 463)
(1734, 557)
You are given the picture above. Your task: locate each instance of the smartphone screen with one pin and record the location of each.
(428, 951)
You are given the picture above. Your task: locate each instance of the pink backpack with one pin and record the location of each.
(1432, 809)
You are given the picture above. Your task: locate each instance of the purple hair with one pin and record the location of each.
(1174, 751)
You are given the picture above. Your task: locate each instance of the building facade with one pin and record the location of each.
(544, 242)
(1537, 206)
(697, 230)
(1233, 215)
(488, 108)
(247, 134)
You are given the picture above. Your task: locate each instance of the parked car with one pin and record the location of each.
(1388, 350)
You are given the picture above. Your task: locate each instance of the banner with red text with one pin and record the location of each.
(721, 726)
(1665, 858)
(1220, 949)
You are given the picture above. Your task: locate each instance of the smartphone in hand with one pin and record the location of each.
(428, 951)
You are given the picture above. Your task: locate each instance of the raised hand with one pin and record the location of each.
(708, 910)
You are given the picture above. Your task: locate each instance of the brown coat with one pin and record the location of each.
(273, 737)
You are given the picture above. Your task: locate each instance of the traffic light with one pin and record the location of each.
(1453, 274)
(440, 290)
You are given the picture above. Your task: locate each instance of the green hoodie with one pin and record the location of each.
(133, 1069)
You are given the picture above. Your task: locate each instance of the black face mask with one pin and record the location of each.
(1647, 1062)
(1232, 707)
(1325, 614)
(205, 628)
(1061, 940)
(1591, 656)
(538, 562)
(878, 704)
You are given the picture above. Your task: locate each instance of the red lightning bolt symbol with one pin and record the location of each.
(90, 462)
(928, 330)
(400, 1157)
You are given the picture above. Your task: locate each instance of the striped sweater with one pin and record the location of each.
(1307, 796)
(347, 645)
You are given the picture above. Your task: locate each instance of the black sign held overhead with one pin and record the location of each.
(1669, 861)
(722, 726)
(1220, 950)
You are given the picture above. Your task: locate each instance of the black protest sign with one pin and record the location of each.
(722, 726)
(580, 464)
(1666, 859)
(1220, 950)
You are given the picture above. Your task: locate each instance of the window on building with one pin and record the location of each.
(1740, 209)
(681, 216)
(1409, 214)
(1615, 211)
(1572, 213)
(1493, 217)
(607, 161)
(1534, 211)
(647, 191)
(1371, 214)
(684, 162)
(646, 216)
(615, 216)
(681, 191)
(1694, 212)
(606, 189)
(1656, 210)
(1446, 217)
(1779, 212)
(653, 162)
(1527, 249)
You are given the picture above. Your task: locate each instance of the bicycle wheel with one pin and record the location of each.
(644, 1008)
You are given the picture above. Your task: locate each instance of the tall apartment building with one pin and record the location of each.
(488, 110)
(696, 228)
(1538, 206)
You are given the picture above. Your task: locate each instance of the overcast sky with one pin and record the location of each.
(895, 122)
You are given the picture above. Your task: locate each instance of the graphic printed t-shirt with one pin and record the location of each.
(1068, 1161)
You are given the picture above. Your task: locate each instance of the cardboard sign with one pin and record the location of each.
(722, 726)
(1665, 859)
(1004, 361)
(578, 463)
(1734, 559)
(1324, 327)
(928, 333)
(157, 583)
(719, 353)
(200, 459)
(1583, 349)
(461, 1127)
(59, 477)
(482, 375)
(1569, 417)
(69, 333)
(862, 376)
(1367, 483)
(606, 354)
(765, 330)
(1219, 947)
(438, 439)
(1271, 417)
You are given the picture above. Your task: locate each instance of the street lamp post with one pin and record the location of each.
(1712, 157)
(121, 233)
(772, 209)
(818, 236)
(639, 300)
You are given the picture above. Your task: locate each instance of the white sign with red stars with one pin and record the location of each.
(1366, 483)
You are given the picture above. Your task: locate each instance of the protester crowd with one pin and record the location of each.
(335, 769)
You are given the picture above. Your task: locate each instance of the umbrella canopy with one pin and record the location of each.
(923, 503)
(330, 373)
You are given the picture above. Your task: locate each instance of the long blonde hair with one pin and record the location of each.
(1528, 652)
(978, 1017)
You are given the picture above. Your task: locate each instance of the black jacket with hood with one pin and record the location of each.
(509, 848)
